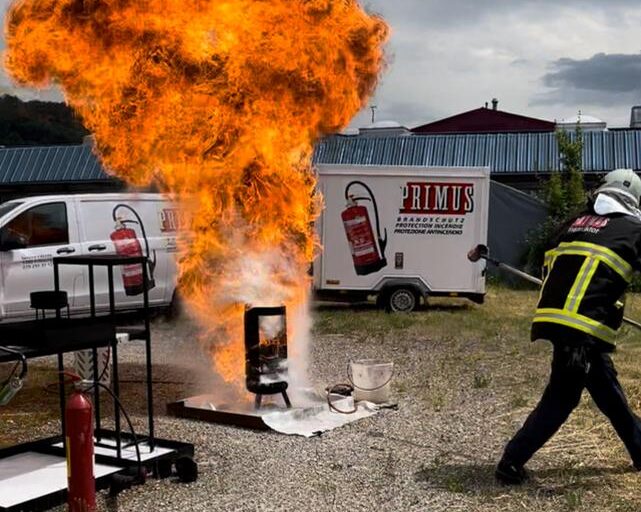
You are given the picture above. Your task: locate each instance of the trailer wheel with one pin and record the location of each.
(401, 300)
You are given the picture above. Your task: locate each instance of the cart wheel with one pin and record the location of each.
(163, 468)
(186, 469)
(402, 300)
(126, 479)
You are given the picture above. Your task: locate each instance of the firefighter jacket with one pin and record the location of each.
(585, 277)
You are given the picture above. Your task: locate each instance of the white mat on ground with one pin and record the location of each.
(314, 420)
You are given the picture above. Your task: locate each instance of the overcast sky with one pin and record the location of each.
(542, 58)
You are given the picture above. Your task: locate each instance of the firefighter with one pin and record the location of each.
(580, 309)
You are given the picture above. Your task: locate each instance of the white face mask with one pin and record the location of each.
(610, 202)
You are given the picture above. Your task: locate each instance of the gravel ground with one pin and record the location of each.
(372, 464)
(457, 405)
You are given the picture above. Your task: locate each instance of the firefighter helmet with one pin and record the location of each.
(622, 181)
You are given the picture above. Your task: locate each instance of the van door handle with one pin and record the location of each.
(66, 250)
(98, 247)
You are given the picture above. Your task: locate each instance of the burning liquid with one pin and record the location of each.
(218, 102)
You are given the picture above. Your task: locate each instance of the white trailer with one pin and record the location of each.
(401, 233)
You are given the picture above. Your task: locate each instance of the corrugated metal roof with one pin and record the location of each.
(46, 164)
(503, 153)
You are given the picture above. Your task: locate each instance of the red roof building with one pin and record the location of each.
(486, 120)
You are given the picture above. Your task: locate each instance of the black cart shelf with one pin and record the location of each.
(60, 335)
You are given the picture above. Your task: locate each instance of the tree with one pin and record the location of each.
(564, 194)
(571, 156)
(35, 123)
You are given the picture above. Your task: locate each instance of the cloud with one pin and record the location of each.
(584, 99)
(444, 15)
(541, 58)
(613, 73)
(601, 80)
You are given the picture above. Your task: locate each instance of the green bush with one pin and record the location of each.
(565, 195)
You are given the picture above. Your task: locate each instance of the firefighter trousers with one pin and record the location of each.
(573, 369)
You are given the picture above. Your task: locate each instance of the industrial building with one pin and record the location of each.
(35, 170)
(519, 150)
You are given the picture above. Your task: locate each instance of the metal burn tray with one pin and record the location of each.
(201, 408)
(243, 414)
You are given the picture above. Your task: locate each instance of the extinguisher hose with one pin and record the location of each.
(92, 384)
(105, 366)
(13, 383)
(382, 242)
(128, 420)
(22, 361)
(74, 377)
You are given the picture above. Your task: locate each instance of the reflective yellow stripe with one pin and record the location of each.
(548, 262)
(569, 316)
(576, 321)
(591, 271)
(603, 254)
(581, 285)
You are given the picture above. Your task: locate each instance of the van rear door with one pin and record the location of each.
(32, 235)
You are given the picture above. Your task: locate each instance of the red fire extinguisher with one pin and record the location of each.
(126, 243)
(368, 252)
(79, 441)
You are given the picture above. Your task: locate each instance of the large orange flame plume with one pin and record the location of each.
(218, 102)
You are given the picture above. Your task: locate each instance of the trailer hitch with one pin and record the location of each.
(482, 252)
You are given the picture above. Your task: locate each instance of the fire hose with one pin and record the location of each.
(482, 252)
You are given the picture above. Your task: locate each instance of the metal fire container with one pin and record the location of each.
(266, 352)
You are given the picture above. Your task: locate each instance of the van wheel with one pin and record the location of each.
(175, 309)
(401, 300)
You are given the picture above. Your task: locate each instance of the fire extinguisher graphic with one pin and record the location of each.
(126, 242)
(368, 252)
(80, 453)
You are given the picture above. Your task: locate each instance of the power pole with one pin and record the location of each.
(373, 109)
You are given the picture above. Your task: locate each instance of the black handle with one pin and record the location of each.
(66, 250)
(98, 247)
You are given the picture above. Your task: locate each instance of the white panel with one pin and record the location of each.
(30, 475)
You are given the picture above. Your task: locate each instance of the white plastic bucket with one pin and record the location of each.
(371, 379)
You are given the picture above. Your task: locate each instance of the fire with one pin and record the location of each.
(218, 102)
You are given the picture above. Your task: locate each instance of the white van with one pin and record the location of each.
(33, 230)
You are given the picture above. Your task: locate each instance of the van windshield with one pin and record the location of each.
(8, 206)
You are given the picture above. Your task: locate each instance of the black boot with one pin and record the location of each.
(508, 473)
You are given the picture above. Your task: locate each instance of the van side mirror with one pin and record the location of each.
(10, 240)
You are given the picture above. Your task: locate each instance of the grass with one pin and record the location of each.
(488, 358)
(34, 408)
(482, 381)
(463, 361)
